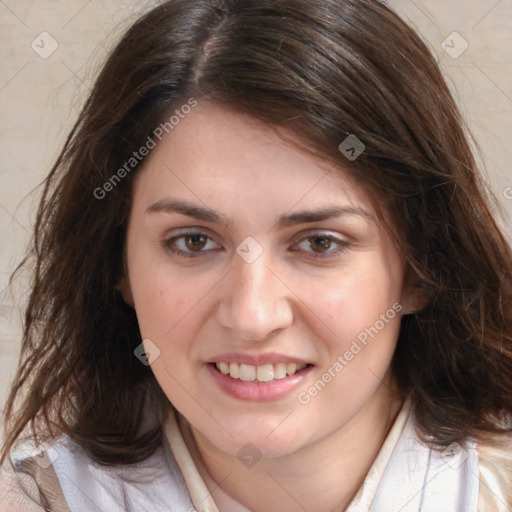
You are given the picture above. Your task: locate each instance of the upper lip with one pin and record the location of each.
(257, 359)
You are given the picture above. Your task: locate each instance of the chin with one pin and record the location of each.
(264, 439)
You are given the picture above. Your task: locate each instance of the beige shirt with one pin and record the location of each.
(33, 485)
(494, 466)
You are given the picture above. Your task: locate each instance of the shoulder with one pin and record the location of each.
(29, 483)
(495, 468)
(62, 477)
(474, 477)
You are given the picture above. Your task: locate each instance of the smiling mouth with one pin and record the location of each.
(263, 373)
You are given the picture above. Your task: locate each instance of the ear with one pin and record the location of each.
(123, 286)
(414, 299)
(125, 289)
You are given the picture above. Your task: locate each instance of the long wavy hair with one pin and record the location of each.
(326, 69)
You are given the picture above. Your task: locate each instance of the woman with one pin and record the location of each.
(270, 219)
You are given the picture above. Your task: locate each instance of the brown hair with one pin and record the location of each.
(329, 68)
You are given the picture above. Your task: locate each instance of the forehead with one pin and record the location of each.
(216, 155)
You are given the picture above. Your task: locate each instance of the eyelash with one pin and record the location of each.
(169, 244)
(342, 245)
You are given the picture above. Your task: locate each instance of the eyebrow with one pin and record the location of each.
(190, 210)
(309, 216)
(206, 214)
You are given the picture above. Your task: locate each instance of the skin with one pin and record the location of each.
(293, 299)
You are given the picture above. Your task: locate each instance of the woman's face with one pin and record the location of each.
(268, 294)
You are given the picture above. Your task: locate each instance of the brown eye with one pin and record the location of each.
(321, 246)
(196, 242)
(320, 243)
(191, 245)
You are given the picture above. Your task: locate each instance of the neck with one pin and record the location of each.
(324, 476)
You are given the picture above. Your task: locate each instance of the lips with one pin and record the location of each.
(258, 377)
(261, 373)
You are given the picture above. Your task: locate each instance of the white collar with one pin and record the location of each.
(406, 475)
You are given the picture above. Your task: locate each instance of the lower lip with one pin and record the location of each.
(256, 391)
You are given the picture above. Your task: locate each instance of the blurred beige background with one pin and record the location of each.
(51, 49)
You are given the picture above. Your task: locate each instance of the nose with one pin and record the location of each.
(255, 303)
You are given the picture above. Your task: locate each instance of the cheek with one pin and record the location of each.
(165, 299)
(359, 335)
(357, 315)
(171, 311)
(343, 305)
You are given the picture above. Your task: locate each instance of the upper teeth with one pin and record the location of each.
(264, 373)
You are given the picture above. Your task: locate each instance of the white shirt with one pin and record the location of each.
(406, 476)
